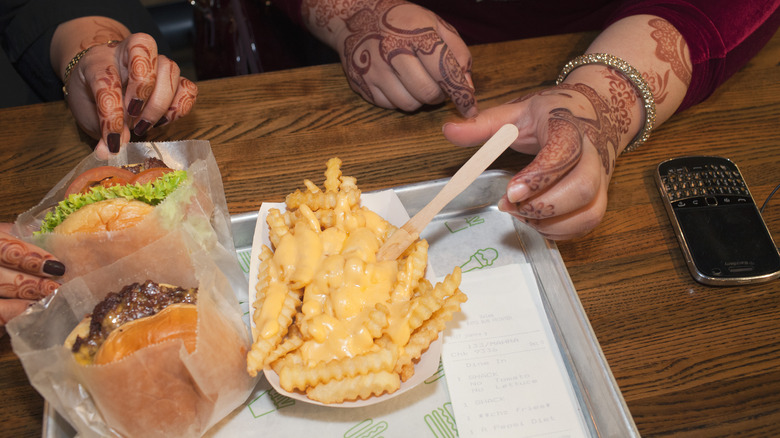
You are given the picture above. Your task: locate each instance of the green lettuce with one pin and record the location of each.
(152, 193)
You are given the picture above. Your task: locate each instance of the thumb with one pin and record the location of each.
(476, 131)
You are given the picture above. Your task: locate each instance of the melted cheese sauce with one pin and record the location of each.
(342, 283)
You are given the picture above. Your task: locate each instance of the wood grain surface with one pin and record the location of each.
(690, 360)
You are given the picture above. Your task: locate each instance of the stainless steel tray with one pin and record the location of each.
(600, 400)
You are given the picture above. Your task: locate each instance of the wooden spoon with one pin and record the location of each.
(410, 231)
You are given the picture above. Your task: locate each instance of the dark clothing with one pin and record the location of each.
(26, 30)
(722, 34)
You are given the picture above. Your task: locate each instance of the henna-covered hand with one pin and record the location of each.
(126, 86)
(575, 134)
(25, 274)
(578, 128)
(396, 54)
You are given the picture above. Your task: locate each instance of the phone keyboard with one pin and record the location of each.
(704, 181)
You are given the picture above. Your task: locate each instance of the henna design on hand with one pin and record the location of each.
(27, 288)
(602, 131)
(106, 31)
(143, 69)
(623, 97)
(657, 83)
(15, 255)
(536, 210)
(108, 100)
(671, 47)
(368, 24)
(560, 153)
(563, 148)
(188, 93)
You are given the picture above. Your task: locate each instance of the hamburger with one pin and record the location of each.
(139, 315)
(109, 198)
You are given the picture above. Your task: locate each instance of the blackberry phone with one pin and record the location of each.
(722, 235)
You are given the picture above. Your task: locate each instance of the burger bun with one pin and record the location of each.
(108, 215)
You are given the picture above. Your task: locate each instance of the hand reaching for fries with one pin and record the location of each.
(26, 273)
(328, 318)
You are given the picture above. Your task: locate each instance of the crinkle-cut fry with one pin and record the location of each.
(263, 279)
(429, 331)
(352, 388)
(310, 186)
(332, 174)
(309, 218)
(277, 226)
(290, 343)
(326, 217)
(348, 183)
(258, 356)
(412, 269)
(301, 376)
(292, 358)
(406, 372)
(321, 200)
(426, 304)
(377, 320)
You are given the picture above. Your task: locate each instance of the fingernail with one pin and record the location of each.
(141, 127)
(135, 106)
(517, 192)
(113, 140)
(54, 267)
(504, 205)
(161, 122)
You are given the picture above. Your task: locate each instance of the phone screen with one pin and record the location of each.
(725, 241)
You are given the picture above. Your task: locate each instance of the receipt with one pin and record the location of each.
(505, 374)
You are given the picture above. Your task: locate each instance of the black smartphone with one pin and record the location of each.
(723, 237)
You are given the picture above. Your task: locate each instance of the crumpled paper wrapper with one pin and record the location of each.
(198, 206)
(161, 390)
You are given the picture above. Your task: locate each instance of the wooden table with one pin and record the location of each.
(690, 360)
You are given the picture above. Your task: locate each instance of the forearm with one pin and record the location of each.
(654, 48)
(722, 35)
(78, 34)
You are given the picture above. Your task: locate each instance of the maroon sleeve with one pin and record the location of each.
(291, 8)
(722, 35)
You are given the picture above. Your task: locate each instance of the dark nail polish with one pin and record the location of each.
(54, 267)
(161, 122)
(141, 127)
(135, 106)
(113, 140)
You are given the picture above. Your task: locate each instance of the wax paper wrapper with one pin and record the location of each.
(386, 204)
(197, 206)
(160, 390)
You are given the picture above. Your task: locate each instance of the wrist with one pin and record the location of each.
(630, 99)
(74, 62)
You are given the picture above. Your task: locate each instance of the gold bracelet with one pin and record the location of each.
(633, 76)
(72, 64)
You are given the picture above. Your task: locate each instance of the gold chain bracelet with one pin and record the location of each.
(630, 73)
(73, 62)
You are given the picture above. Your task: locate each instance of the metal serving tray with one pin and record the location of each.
(600, 400)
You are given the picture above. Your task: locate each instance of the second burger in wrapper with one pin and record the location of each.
(178, 380)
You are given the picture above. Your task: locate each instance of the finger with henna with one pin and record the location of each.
(18, 285)
(18, 255)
